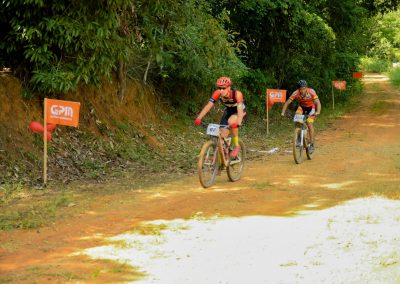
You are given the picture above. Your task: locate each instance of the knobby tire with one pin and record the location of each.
(307, 143)
(236, 165)
(208, 163)
(297, 149)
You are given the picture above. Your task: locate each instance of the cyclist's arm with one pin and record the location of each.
(240, 106)
(317, 106)
(240, 113)
(287, 103)
(205, 110)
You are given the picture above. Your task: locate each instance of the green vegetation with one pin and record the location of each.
(62, 275)
(262, 185)
(384, 46)
(184, 46)
(380, 107)
(394, 76)
(374, 64)
(27, 215)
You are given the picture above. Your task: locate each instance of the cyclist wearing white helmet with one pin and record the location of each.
(308, 104)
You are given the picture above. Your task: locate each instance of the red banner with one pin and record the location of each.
(275, 96)
(357, 75)
(340, 85)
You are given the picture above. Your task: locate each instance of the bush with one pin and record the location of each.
(254, 86)
(373, 64)
(394, 76)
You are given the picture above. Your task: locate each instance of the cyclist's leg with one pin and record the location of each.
(310, 124)
(311, 130)
(235, 135)
(234, 130)
(299, 110)
(233, 120)
(224, 121)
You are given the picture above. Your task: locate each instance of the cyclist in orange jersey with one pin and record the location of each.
(234, 112)
(308, 104)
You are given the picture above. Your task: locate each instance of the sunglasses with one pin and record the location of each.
(221, 88)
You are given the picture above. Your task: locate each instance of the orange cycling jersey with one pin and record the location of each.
(307, 100)
(232, 98)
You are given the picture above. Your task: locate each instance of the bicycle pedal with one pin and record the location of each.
(235, 160)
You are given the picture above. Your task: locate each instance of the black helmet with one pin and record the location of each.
(301, 83)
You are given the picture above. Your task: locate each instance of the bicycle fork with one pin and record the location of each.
(304, 137)
(303, 133)
(300, 138)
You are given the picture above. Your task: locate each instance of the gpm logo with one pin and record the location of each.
(276, 95)
(64, 111)
(340, 85)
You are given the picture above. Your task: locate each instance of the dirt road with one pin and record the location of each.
(335, 219)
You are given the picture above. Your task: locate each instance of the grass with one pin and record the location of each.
(380, 107)
(95, 168)
(262, 185)
(375, 65)
(21, 210)
(394, 76)
(151, 229)
(65, 275)
(61, 274)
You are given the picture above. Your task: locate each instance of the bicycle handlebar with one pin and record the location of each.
(291, 115)
(204, 125)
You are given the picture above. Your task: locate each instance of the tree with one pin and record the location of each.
(184, 43)
(58, 44)
(385, 37)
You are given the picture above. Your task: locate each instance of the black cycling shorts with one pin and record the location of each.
(228, 112)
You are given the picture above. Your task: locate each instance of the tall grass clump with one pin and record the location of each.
(394, 76)
(375, 65)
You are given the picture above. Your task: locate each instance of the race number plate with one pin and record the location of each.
(213, 129)
(298, 118)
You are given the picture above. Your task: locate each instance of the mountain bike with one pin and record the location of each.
(215, 157)
(301, 138)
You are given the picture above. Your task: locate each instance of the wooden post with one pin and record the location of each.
(45, 145)
(267, 117)
(333, 99)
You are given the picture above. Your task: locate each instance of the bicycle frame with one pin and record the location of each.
(216, 136)
(301, 122)
(301, 138)
(215, 156)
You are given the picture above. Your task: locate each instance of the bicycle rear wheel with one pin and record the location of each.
(208, 163)
(297, 146)
(236, 165)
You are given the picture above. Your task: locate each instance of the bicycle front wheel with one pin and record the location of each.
(236, 165)
(208, 163)
(297, 146)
